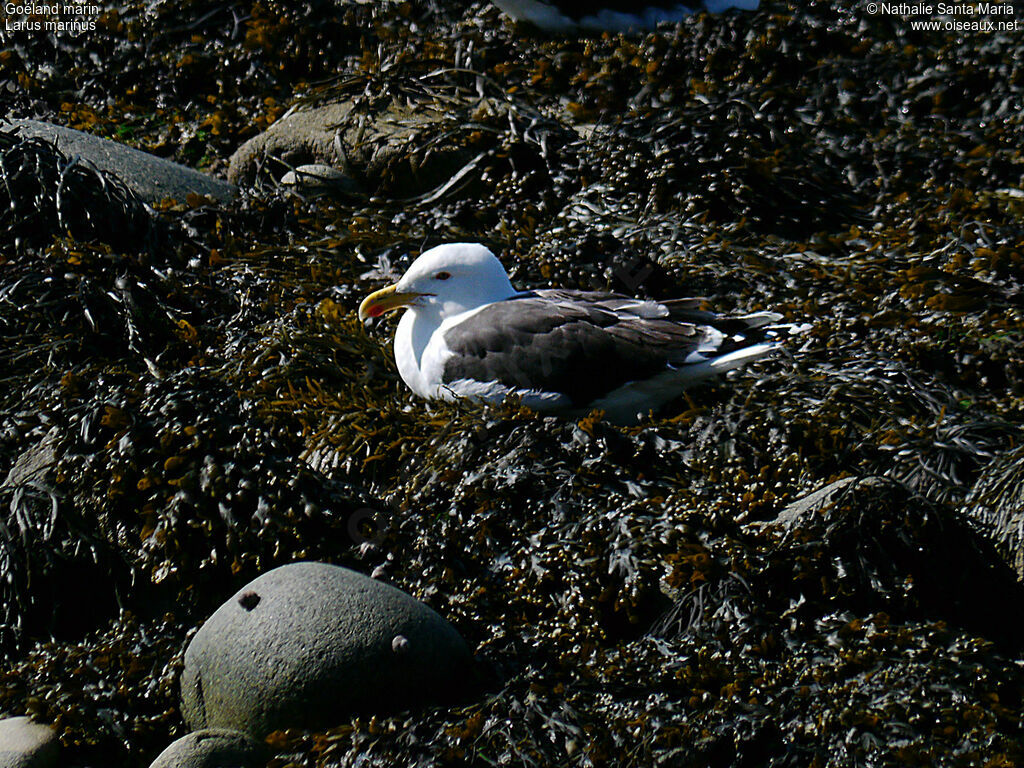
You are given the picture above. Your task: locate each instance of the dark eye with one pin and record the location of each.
(442, 275)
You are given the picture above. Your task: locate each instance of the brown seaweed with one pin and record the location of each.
(213, 407)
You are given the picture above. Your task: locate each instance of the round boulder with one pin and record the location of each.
(307, 644)
(214, 748)
(25, 744)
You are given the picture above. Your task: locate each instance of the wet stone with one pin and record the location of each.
(25, 744)
(213, 748)
(152, 178)
(308, 643)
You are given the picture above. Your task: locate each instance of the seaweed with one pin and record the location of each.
(195, 402)
(46, 194)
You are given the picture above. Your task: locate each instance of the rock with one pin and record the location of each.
(875, 545)
(25, 744)
(151, 178)
(300, 137)
(996, 504)
(307, 644)
(811, 504)
(319, 178)
(376, 151)
(214, 748)
(49, 588)
(35, 466)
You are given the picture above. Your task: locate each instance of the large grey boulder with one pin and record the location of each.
(24, 744)
(152, 178)
(307, 644)
(996, 504)
(214, 748)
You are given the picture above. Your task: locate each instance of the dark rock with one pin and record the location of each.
(319, 643)
(25, 744)
(152, 178)
(996, 503)
(214, 748)
(872, 544)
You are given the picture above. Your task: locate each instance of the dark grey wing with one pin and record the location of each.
(579, 345)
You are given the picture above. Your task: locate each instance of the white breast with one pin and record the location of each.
(412, 354)
(421, 354)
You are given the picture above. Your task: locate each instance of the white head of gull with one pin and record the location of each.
(467, 332)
